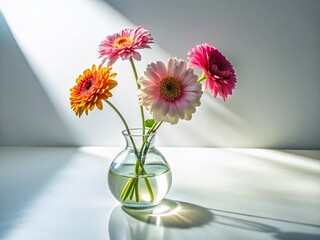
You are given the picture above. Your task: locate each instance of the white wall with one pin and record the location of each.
(273, 45)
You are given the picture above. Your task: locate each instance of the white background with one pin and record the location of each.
(273, 45)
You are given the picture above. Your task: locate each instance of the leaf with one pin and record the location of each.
(149, 123)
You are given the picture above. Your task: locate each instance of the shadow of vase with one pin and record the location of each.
(170, 217)
(248, 222)
(151, 223)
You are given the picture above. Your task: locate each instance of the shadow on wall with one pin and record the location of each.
(251, 35)
(22, 98)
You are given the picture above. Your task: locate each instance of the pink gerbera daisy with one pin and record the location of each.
(220, 75)
(124, 44)
(170, 92)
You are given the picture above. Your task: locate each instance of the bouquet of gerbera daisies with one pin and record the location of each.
(168, 91)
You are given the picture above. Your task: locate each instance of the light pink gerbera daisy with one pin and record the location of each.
(220, 75)
(170, 92)
(124, 44)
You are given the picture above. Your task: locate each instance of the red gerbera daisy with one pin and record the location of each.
(219, 73)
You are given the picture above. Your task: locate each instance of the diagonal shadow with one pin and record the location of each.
(153, 223)
(219, 114)
(266, 218)
(28, 117)
(24, 173)
(277, 233)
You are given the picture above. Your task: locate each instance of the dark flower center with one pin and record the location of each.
(170, 88)
(87, 84)
(219, 68)
(217, 71)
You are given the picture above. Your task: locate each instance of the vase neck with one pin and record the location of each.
(135, 137)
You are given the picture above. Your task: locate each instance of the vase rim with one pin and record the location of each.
(134, 133)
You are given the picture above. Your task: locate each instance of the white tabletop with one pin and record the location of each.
(62, 193)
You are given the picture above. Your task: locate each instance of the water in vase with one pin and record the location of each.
(159, 177)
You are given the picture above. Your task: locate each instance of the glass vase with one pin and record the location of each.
(139, 176)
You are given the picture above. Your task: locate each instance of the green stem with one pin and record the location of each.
(131, 186)
(132, 190)
(128, 131)
(151, 130)
(136, 189)
(127, 189)
(138, 86)
(203, 77)
(134, 71)
(149, 189)
(159, 124)
(124, 123)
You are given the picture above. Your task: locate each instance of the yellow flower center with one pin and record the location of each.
(170, 88)
(122, 42)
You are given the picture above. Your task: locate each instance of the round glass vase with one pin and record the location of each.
(139, 176)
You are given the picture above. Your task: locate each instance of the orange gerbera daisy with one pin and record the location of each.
(92, 87)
